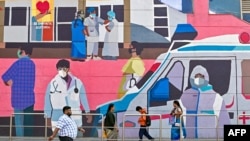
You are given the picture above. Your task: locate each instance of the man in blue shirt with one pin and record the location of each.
(21, 78)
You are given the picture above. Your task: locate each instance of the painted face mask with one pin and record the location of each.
(199, 81)
(62, 73)
(110, 18)
(92, 15)
(19, 52)
(131, 50)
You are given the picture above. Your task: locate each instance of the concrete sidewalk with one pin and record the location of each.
(90, 139)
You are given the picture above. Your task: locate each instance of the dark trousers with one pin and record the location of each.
(29, 121)
(143, 131)
(65, 138)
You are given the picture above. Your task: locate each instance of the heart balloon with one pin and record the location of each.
(42, 7)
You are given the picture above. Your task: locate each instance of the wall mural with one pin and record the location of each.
(111, 61)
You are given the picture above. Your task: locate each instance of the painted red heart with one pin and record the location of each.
(42, 6)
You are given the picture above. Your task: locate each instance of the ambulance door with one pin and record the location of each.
(244, 92)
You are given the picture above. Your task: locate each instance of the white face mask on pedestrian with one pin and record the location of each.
(199, 81)
(62, 73)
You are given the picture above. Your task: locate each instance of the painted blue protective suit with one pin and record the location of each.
(78, 46)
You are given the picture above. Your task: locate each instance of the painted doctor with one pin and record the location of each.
(110, 49)
(204, 101)
(91, 31)
(65, 90)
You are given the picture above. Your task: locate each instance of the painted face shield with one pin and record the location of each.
(199, 77)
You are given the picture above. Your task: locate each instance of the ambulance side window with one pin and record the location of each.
(245, 67)
(168, 87)
(219, 73)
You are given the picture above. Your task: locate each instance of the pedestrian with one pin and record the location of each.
(66, 127)
(110, 127)
(21, 78)
(142, 122)
(175, 130)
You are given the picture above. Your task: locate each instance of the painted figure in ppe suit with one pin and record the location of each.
(110, 49)
(91, 31)
(65, 90)
(78, 47)
(202, 99)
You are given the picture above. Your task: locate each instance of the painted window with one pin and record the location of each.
(161, 20)
(245, 64)
(231, 7)
(6, 16)
(246, 17)
(104, 10)
(18, 16)
(65, 16)
(245, 8)
(119, 10)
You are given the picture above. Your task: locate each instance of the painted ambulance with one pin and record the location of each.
(227, 63)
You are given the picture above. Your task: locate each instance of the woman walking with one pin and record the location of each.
(110, 127)
(176, 114)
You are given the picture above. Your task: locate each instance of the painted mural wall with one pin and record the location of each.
(206, 67)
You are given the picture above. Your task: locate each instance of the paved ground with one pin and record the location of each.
(92, 139)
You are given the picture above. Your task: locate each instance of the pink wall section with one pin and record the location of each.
(101, 80)
(208, 25)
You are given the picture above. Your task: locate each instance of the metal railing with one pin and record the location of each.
(216, 126)
(123, 120)
(46, 121)
(124, 117)
(11, 123)
(93, 114)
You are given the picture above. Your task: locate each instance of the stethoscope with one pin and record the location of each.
(76, 90)
(130, 81)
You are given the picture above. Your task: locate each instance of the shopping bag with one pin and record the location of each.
(171, 120)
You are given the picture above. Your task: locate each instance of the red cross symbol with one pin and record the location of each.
(244, 118)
